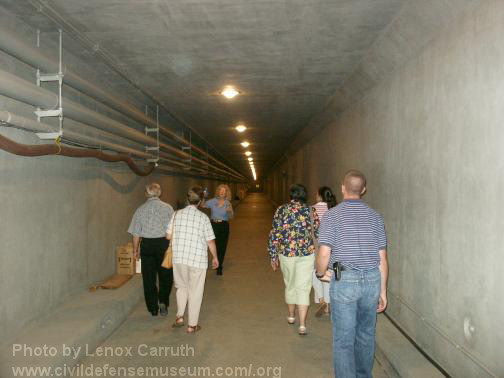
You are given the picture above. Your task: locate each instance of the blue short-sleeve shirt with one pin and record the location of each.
(219, 212)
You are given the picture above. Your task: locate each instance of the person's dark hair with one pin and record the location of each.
(195, 195)
(327, 196)
(297, 192)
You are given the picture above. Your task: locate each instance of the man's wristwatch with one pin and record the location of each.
(319, 275)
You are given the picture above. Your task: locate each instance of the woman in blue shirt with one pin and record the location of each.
(221, 213)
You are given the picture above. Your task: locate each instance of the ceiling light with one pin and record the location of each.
(248, 153)
(240, 128)
(229, 92)
(245, 144)
(250, 159)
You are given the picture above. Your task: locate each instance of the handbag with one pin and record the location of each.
(168, 257)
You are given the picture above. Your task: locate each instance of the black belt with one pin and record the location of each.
(342, 268)
(218, 220)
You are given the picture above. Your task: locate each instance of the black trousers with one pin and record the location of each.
(152, 252)
(221, 231)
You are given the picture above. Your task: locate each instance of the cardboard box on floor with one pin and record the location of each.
(125, 262)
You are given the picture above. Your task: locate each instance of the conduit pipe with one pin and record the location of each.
(40, 150)
(28, 124)
(186, 174)
(13, 45)
(53, 149)
(22, 90)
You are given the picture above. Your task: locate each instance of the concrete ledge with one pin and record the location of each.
(84, 321)
(398, 356)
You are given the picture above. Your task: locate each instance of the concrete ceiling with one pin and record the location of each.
(287, 57)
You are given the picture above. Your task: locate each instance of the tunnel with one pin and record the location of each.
(102, 99)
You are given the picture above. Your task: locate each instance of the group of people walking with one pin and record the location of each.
(340, 251)
(192, 234)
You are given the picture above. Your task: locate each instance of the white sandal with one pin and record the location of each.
(302, 330)
(291, 320)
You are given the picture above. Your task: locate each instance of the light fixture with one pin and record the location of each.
(253, 172)
(229, 92)
(245, 144)
(250, 159)
(248, 153)
(240, 128)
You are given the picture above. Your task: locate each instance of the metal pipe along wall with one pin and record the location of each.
(24, 91)
(13, 45)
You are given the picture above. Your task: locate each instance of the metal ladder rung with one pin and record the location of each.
(55, 135)
(50, 77)
(49, 113)
(151, 148)
(151, 130)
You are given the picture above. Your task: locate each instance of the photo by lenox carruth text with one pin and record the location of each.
(78, 352)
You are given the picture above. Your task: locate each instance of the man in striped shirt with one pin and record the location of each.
(353, 235)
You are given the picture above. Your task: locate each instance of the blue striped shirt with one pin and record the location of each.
(355, 233)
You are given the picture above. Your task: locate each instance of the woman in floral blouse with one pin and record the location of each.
(291, 247)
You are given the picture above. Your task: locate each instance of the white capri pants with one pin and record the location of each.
(320, 290)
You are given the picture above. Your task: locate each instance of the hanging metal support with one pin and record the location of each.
(206, 158)
(57, 77)
(188, 149)
(155, 158)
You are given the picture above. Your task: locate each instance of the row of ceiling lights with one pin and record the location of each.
(230, 92)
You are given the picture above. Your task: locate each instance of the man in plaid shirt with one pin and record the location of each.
(148, 228)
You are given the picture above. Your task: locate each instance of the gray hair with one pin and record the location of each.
(153, 190)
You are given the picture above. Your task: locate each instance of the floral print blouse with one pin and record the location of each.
(291, 231)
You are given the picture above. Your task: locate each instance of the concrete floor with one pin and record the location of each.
(242, 318)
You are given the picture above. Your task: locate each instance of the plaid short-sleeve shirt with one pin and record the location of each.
(190, 233)
(150, 219)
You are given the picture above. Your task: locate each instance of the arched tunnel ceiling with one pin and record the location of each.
(289, 58)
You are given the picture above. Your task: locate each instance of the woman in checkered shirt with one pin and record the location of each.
(191, 236)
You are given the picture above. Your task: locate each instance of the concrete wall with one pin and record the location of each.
(61, 218)
(429, 138)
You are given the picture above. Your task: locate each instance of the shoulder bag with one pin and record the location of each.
(168, 257)
(312, 231)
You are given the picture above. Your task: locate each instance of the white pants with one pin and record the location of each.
(320, 290)
(190, 284)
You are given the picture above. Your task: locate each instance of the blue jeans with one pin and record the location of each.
(353, 314)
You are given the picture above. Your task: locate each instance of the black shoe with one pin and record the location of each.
(154, 313)
(163, 310)
(219, 272)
